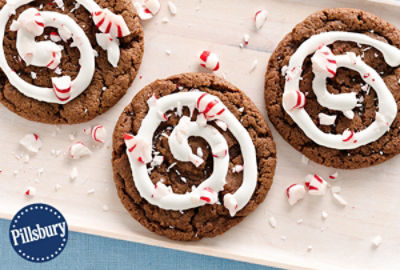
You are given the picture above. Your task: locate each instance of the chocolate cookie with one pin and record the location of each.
(339, 63)
(108, 83)
(171, 178)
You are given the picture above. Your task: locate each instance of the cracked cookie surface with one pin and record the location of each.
(108, 85)
(340, 19)
(208, 220)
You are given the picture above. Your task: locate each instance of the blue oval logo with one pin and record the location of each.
(38, 232)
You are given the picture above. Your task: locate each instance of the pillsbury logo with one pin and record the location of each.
(38, 232)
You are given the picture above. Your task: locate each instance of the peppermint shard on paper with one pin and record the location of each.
(174, 169)
(325, 93)
(73, 56)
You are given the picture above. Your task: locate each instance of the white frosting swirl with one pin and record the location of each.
(210, 108)
(324, 66)
(31, 23)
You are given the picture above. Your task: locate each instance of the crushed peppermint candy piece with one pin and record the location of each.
(299, 221)
(147, 9)
(309, 248)
(209, 60)
(55, 37)
(57, 187)
(349, 114)
(208, 195)
(30, 191)
(33, 75)
(91, 191)
(295, 193)
(172, 8)
(246, 38)
(237, 168)
(272, 222)
(324, 215)
(294, 100)
(253, 65)
(316, 185)
(165, 20)
(105, 208)
(99, 133)
(325, 119)
(230, 203)
(376, 241)
(305, 160)
(31, 142)
(157, 161)
(339, 199)
(259, 18)
(78, 150)
(199, 152)
(73, 174)
(334, 175)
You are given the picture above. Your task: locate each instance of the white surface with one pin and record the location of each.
(343, 240)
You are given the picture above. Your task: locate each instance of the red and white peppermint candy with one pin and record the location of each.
(31, 142)
(139, 147)
(334, 175)
(259, 18)
(208, 195)
(110, 23)
(295, 193)
(30, 191)
(237, 168)
(54, 58)
(62, 87)
(147, 9)
(348, 136)
(316, 185)
(230, 203)
(160, 190)
(31, 21)
(99, 133)
(196, 160)
(220, 151)
(209, 60)
(55, 37)
(111, 45)
(294, 100)
(324, 61)
(78, 150)
(209, 106)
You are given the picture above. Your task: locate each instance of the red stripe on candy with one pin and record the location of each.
(199, 99)
(100, 23)
(132, 148)
(128, 136)
(206, 199)
(221, 111)
(316, 176)
(108, 27)
(39, 23)
(119, 31)
(209, 106)
(331, 71)
(204, 55)
(350, 136)
(287, 190)
(332, 61)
